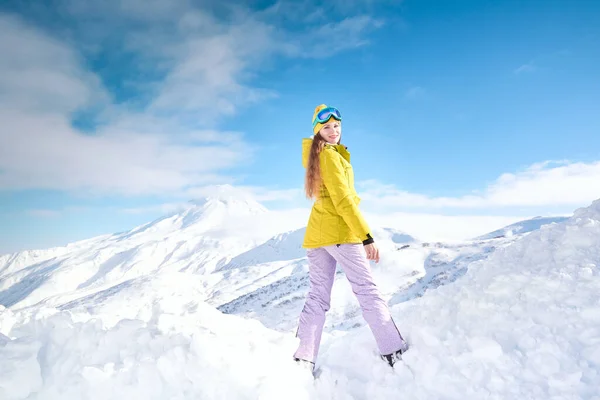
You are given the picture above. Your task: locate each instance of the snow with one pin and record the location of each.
(516, 325)
(204, 304)
(198, 355)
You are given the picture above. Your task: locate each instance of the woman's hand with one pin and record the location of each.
(372, 252)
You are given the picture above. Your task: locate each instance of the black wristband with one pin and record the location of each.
(369, 240)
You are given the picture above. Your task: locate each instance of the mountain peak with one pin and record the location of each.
(227, 195)
(232, 205)
(219, 206)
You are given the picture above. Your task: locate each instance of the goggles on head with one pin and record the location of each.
(326, 113)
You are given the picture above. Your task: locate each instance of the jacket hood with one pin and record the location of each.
(307, 143)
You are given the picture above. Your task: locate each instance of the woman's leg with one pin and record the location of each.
(354, 262)
(321, 269)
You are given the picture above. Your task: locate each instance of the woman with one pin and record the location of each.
(337, 233)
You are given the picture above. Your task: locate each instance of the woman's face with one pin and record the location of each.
(331, 131)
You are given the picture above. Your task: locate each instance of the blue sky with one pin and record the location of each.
(117, 112)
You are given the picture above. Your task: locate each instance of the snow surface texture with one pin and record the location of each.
(193, 306)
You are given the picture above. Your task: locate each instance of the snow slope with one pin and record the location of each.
(523, 324)
(507, 318)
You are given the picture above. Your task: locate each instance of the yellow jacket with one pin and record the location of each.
(335, 217)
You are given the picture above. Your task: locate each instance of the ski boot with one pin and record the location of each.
(392, 358)
(309, 365)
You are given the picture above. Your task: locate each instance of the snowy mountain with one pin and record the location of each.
(522, 227)
(195, 239)
(204, 303)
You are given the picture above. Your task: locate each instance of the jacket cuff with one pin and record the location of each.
(369, 240)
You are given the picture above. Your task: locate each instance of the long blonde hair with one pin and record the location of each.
(312, 181)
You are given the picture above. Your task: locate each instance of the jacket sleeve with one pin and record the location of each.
(334, 178)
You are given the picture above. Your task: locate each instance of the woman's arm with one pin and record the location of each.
(334, 178)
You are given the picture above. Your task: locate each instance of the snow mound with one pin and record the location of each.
(524, 323)
(216, 357)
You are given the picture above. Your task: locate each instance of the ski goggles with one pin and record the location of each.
(326, 113)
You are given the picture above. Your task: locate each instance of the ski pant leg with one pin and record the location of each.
(353, 260)
(321, 269)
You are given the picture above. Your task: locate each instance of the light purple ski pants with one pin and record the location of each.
(353, 260)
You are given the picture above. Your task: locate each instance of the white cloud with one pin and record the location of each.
(326, 40)
(310, 29)
(548, 183)
(41, 74)
(199, 65)
(290, 197)
(136, 10)
(311, 11)
(545, 184)
(415, 92)
(209, 70)
(297, 11)
(260, 194)
(266, 195)
(44, 213)
(46, 152)
(165, 208)
(525, 68)
(440, 227)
